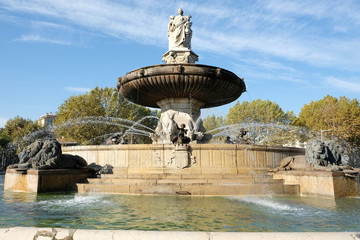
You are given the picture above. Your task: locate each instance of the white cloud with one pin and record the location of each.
(37, 38)
(297, 31)
(3, 122)
(77, 89)
(346, 85)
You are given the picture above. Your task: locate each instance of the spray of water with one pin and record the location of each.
(265, 133)
(258, 133)
(130, 127)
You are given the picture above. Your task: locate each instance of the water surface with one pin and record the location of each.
(181, 213)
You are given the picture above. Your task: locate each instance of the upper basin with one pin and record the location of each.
(211, 85)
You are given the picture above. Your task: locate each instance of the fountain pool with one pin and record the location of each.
(178, 213)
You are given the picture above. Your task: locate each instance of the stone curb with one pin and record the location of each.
(30, 233)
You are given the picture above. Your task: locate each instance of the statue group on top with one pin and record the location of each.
(179, 31)
(179, 35)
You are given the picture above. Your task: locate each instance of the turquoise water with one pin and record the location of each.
(182, 213)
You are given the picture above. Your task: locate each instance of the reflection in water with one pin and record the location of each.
(183, 213)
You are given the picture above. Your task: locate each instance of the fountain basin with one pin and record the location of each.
(208, 84)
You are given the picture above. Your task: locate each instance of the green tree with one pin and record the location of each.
(19, 127)
(341, 115)
(212, 122)
(94, 116)
(262, 111)
(4, 139)
(214, 125)
(265, 122)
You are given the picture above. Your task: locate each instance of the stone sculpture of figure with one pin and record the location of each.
(179, 31)
(181, 138)
(47, 154)
(228, 140)
(168, 123)
(240, 138)
(325, 154)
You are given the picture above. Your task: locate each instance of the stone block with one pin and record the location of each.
(158, 235)
(64, 234)
(282, 236)
(291, 189)
(83, 234)
(23, 233)
(155, 189)
(36, 181)
(321, 183)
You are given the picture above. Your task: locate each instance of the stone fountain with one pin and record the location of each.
(179, 161)
(180, 87)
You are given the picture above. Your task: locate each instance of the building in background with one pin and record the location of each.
(46, 120)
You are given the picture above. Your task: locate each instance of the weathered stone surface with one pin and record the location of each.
(47, 155)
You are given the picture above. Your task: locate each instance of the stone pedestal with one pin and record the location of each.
(180, 56)
(37, 181)
(321, 183)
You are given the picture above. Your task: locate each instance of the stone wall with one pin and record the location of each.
(206, 158)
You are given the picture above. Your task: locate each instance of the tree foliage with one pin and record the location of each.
(341, 116)
(4, 139)
(212, 122)
(19, 127)
(95, 115)
(214, 125)
(261, 111)
(16, 130)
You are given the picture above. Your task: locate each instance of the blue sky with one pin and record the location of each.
(290, 52)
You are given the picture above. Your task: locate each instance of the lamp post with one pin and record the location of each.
(321, 133)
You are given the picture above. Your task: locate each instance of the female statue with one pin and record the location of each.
(179, 32)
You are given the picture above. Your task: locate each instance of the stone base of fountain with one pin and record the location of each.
(196, 169)
(38, 181)
(321, 183)
(183, 183)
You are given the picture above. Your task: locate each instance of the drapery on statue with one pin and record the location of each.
(179, 31)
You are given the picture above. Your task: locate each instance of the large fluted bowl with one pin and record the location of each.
(213, 86)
